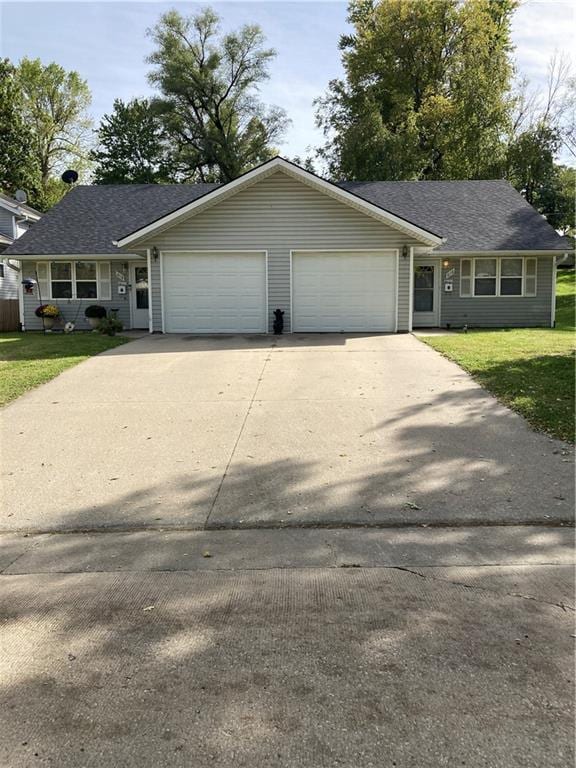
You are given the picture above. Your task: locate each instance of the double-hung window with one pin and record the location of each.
(503, 276)
(74, 279)
(485, 277)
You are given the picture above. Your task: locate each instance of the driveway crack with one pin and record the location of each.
(240, 433)
(478, 588)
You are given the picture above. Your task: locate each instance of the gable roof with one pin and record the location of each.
(471, 216)
(419, 232)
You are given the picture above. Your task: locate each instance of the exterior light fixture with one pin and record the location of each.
(445, 263)
(404, 251)
(155, 253)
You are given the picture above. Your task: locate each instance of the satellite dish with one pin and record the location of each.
(20, 196)
(69, 177)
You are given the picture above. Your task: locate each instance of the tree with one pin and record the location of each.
(557, 198)
(542, 126)
(54, 106)
(208, 84)
(132, 146)
(17, 170)
(425, 93)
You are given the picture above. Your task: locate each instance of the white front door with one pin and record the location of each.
(335, 291)
(139, 297)
(426, 294)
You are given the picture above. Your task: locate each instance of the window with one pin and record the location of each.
(511, 277)
(86, 285)
(505, 276)
(485, 277)
(61, 279)
(75, 279)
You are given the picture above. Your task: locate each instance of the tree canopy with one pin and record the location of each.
(17, 168)
(208, 102)
(426, 93)
(132, 147)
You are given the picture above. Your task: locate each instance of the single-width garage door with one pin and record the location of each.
(215, 292)
(344, 290)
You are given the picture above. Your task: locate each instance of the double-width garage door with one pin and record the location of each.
(215, 292)
(344, 290)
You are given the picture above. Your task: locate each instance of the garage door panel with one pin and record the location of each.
(344, 291)
(215, 293)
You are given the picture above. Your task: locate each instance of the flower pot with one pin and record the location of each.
(48, 323)
(93, 322)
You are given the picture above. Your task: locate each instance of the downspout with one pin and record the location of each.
(150, 315)
(411, 291)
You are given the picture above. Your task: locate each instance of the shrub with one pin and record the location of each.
(47, 310)
(95, 310)
(109, 326)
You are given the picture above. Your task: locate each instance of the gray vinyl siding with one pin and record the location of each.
(6, 222)
(499, 311)
(69, 307)
(9, 283)
(279, 214)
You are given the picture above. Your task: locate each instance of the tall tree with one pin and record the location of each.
(54, 106)
(132, 146)
(543, 125)
(209, 105)
(17, 170)
(425, 93)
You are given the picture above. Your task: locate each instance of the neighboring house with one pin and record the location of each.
(15, 219)
(374, 256)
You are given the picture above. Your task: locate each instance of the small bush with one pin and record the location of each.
(95, 310)
(109, 326)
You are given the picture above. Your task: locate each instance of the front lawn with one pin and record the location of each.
(30, 359)
(531, 369)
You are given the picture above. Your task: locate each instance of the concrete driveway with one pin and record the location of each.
(300, 430)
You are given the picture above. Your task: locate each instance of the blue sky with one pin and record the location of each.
(107, 44)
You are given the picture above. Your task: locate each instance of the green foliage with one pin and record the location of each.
(132, 146)
(208, 105)
(17, 170)
(109, 326)
(54, 104)
(426, 91)
(566, 300)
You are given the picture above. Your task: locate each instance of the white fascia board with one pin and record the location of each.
(79, 257)
(278, 163)
(509, 252)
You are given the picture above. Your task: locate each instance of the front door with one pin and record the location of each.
(139, 295)
(426, 294)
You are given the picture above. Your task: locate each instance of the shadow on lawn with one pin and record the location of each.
(541, 389)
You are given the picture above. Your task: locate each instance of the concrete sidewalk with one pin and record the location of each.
(291, 648)
(302, 430)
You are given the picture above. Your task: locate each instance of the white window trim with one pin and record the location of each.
(498, 277)
(74, 281)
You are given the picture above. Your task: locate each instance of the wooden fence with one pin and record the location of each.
(9, 315)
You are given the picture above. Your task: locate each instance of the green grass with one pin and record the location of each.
(530, 370)
(30, 359)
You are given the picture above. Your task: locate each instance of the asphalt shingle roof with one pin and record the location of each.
(470, 215)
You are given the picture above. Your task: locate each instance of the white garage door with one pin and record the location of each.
(216, 292)
(344, 291)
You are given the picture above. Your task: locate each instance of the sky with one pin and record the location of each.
(106, 43)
